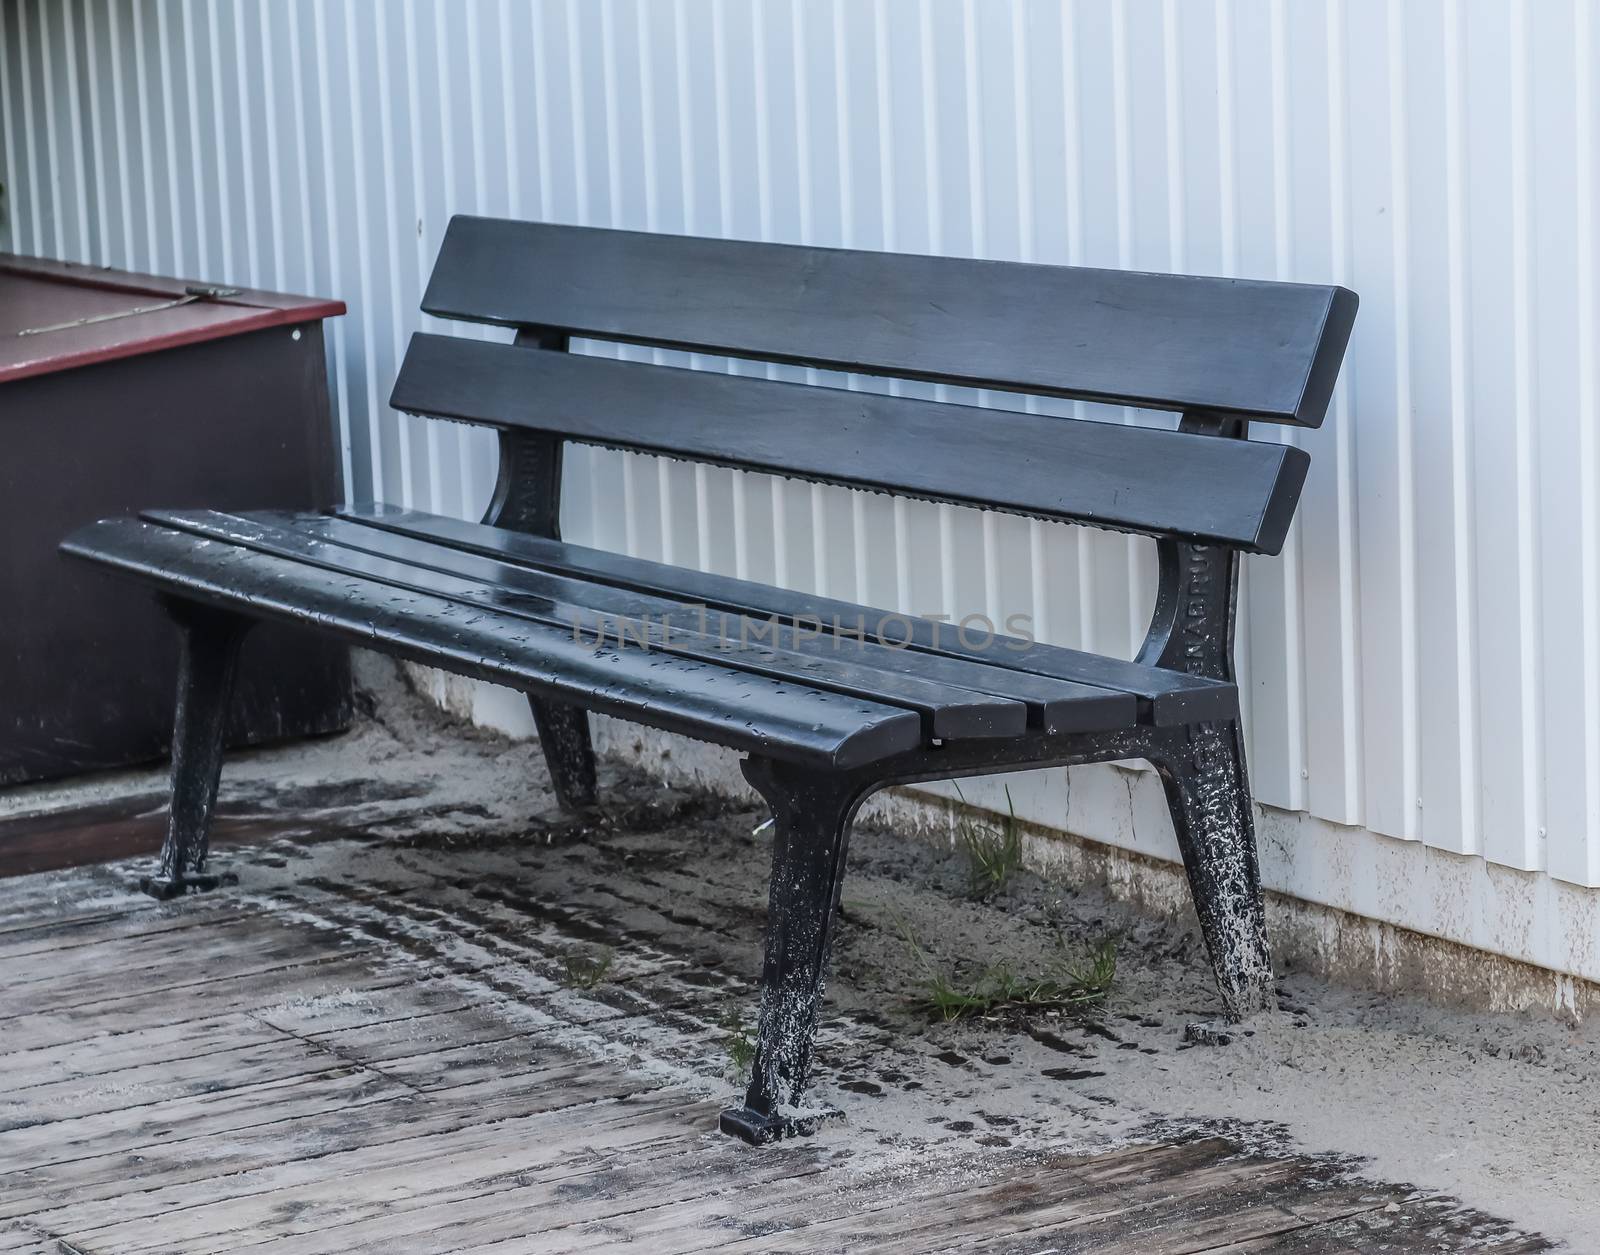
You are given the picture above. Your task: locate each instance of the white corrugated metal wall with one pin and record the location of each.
(1422, 665)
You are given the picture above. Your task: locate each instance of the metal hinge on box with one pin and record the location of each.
(192, 292)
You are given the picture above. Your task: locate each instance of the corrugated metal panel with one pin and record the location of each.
(1422, 664)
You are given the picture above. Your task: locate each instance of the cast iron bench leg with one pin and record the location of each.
(812, 812)
(568, 752)
(206, 662)
(1209, 794)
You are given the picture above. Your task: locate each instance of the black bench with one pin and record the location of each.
(828, 701)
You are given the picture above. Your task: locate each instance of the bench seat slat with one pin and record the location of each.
(1142, 479)
(732, 708)
(1052, 706)
(1177, 342)
(593, 611)
(1166, 698)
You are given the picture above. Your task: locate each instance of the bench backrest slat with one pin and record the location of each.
(1267, 351)
(1150, 480)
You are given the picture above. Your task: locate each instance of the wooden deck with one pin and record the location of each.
(370, 1045)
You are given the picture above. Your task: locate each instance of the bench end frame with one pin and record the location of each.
(1202, 766)
(527, 498)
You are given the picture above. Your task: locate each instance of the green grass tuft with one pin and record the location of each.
(585, 971)
(1000, 988)
(741, 1047)
(994, 851)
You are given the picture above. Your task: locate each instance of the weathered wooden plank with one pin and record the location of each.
(1418, 1225)
(99, 1190)
(280, 1062)
(866, 1211)
(616, 1195)
(813, 653)
(1172, 697)
(1149, 1202)
(480, 1043)
(55, 898)
(270, 1059)
(21, 1238)
(1236, 1198)
(679, 695)
(367, 1182)
(60, 940)
(481, 936)
(332, 1087)
(203, 1000)
(498, 911)
(101, 1054)
(1140, 479)
(1269, 350)
(247, 1082)
(387, 1005)
(180, 1038)
(402, 1037)
(599, 613)
(213, 955)
(79, 972)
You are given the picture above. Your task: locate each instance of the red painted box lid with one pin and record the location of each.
(55, 315)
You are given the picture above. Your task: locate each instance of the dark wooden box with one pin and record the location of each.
(129, 392)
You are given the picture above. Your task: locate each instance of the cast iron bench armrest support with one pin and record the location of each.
(829, 701)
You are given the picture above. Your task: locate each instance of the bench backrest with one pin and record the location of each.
(1200, 346)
